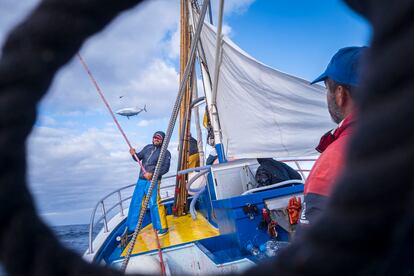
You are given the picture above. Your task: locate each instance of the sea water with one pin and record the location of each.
(74, 237)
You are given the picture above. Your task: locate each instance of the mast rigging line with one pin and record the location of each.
(207, 83)
(98, 89)
(196, 101)
(218, 53)
(208, 80)
(210, 13)
(169, 132)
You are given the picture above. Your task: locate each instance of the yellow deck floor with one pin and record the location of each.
(181, 230)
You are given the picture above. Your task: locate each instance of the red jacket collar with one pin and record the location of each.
(343, 128)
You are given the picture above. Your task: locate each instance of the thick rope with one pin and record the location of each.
(32, 54)
(37, 49)
(169, 132)
(367, 228)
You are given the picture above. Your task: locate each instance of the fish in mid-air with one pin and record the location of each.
(131, 111)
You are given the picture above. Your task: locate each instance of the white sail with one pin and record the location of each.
(264, 112)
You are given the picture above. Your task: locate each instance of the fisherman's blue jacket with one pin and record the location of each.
(149, 158)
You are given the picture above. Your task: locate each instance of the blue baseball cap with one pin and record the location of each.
(344, 66)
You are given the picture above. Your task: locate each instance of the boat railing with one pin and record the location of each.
(238, 176)
(120, 200)
(105, 211)
(272, 186)
(300, 168)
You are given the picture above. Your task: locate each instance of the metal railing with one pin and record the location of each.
(298, 165)
(105, 218)
(120, 201)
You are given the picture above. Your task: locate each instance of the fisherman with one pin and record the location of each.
(341, 81)
(194, 156)
(149, 157)
(212, 156)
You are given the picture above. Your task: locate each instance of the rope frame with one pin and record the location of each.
(32, 54)
(36, 49)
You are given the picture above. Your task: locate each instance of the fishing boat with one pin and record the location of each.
(219, 219)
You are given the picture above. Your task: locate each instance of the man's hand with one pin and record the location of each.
(132, 151)
(148, 175)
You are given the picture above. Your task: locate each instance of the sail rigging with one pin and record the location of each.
(284, 115)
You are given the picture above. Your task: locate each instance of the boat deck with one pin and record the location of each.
(181, 230)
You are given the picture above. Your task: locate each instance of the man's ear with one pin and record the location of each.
(340, 96)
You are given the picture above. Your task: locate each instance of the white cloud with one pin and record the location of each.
(174, 44)
(73, 157)
(226, 30)
(71, 169)
(121, 57)
(47, 120)
(67, 217)
(124, 53)
(157, 87)
(145, 123)
(237, 6)
(231, 7)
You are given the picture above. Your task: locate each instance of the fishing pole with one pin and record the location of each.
(98, 89)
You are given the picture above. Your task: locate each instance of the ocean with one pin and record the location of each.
(74, 237)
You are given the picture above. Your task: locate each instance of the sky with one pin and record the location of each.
(75, 153)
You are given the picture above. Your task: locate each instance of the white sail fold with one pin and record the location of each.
(264, 112)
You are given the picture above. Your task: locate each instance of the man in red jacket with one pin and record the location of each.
(341, 81)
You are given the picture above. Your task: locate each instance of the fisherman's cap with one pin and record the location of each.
(344, 67)
(159, 134)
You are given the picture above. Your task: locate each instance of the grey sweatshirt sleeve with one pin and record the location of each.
(165, 167)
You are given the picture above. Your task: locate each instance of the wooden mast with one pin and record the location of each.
(180, 199)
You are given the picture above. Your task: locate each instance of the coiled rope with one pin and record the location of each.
(169, 132)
